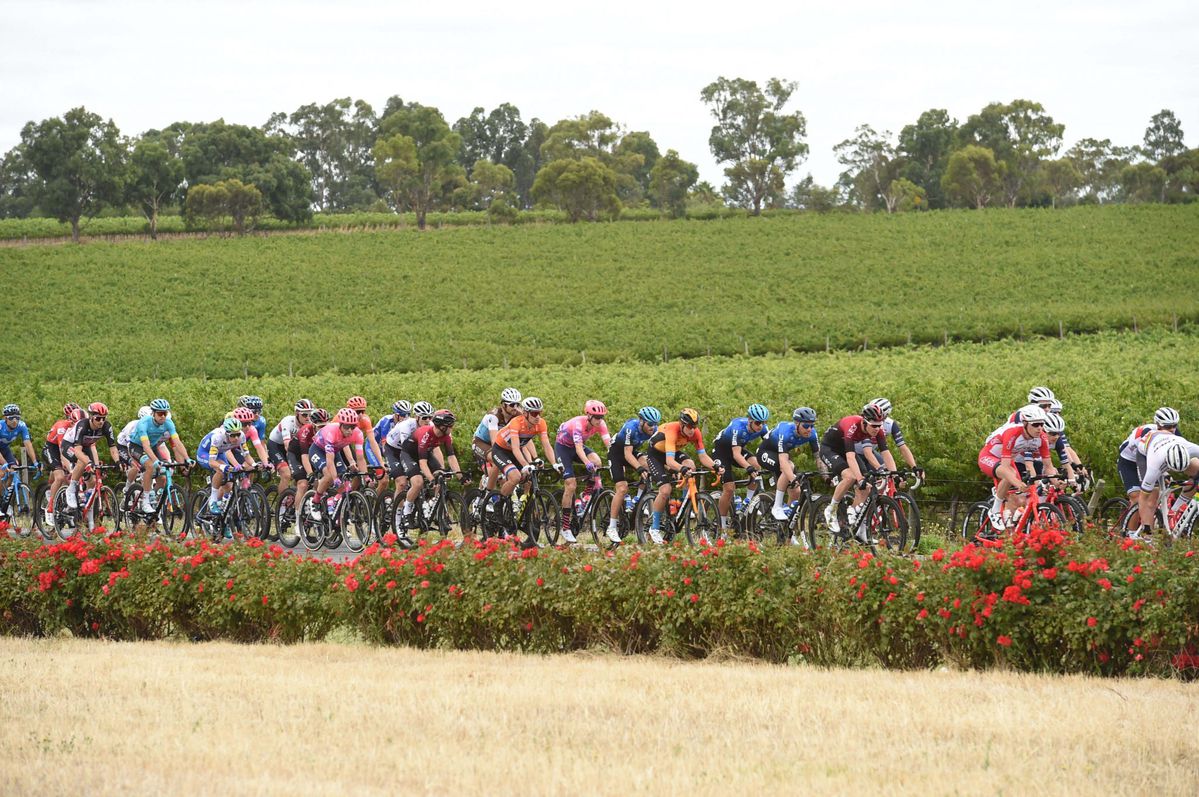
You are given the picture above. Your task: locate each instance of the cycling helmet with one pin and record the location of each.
(320, 416)
(143, 412)
(95, 408)
(68, 409)
(12, 411)
(1039, 394)
(356, 403)
(252, 403)
(804, 415)
(304, 405)
(160, 405)
(244, 415)
(1055, 407)
(347, 416)
(595, 407)
(1178, 456)
(758, 412)
(650, 415)
(1166, 416)
(883, 404)
(444, 418)
(1033, 414)
(232, 426)
(872, 413)
(77, 415)
(241, 400)
(422, 409)
(510, 395)
(689, 416)
(1055, 424)
(532, 404)
(402, 407)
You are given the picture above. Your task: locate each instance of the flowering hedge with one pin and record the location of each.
(1035, 602)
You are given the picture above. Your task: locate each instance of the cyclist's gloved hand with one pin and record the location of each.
(863, 484)
(558, 466)
(528, 469)
(591, 468)
(462, 477)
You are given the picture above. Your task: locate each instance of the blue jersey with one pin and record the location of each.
(146, 429)
(382, 428)
(260, 425)
(631, 435)
(788, 435)
(737, 433)
(9, 434)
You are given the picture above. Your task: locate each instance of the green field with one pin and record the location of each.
(563, 294)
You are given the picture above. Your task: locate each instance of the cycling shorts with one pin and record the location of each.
(723, 454)
(316, 455)
(769, 461)
(655, 463)
(276, 453)
(503, 459)
(569, 458)
(617, 464)
(52, 456)
(1128, 475)
(834, 461)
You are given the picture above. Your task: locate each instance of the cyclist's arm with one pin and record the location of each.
(739, 458)
(549, 450)
(630, 457)
(451, 459)
(908, 456)
(179, 449)
(889, 460)
(579, 452)
(705, 460)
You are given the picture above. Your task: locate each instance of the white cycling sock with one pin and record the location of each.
(724, 521)
(612, 524)
(779, 498)
(407, 507)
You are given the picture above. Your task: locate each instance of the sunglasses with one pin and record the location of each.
(232, 434)
(874, 426)
(511, 404)
(534, 413)
(1037, 425)
(807, 425)
(160, 413)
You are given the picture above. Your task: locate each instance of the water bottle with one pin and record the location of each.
(427, 508)
(629, 503)
(738, 502)
(579, 507)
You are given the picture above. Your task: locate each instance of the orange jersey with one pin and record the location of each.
(520, 428)
(671, 435)
(57, 431)
(364, 423)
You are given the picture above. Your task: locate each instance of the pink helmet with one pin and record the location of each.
(347, 416)
(595, 407)
(244, 415)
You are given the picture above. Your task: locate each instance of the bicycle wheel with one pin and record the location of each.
(173, 514)
(532, 520)
(976, 521)
(202, 521)
(549, 508)
(1110, 513)
(354, 520)
(643, 516)
(1073, 512)
(381, 513)
(312, 532)
(595, 521)
(817, 531)
(20, 510)
(758, 524)
(447, 519)
(285, 518)
(911, 511)
(470, 512)
(41, 500)
(106, 511)
(1049, 516)
(888, 525)
(703, 523)
(262, 511)
(66, 519)
(245, 515)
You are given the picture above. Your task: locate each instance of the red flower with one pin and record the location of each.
(90, 567)
(424, 585)
(1092, 622)
(1049, 573)
(540, 581)
(1006, 641)
(938, 555)
(694, 598)
(166, 582)
(264, 599)
(586, 568)
(1103, 582)
(351, 583)
(95, 626)
(420, 618)
(686, 579)
(229, 584)
(920, 615)
(919, 596)
(529, 626)
(390, 585)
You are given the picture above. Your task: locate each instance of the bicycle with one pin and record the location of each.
(880, 519)
(586, 514)
(907, 500)
(95, 505)
(626, 516)
(346, 517)
(1176, 523)
(170, 506)
(695, 513)
(240, 508)
(16, 503)
(764, 527)
(535, 515)
(977, 522)
(436, 509)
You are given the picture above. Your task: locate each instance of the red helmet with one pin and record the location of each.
(68, 409)
(244, 414)
(76, 414)
(347, 416)
(595, 407)
(98, 408)
(357, 403)
(872, 413)
(320, 416)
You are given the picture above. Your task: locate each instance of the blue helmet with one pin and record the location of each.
(402, 407)
(758, 412)
(12, 411)
(804, 415)
(650, 415)
(160, 405)
(251, 403)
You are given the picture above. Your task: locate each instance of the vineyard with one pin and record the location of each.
(535, 295)
(947, 398)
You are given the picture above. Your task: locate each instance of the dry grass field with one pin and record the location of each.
(80, 717)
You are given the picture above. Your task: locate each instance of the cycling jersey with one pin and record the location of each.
(217, 442)
(1128, 449)
(401, 432)
(424, 440)
(1155, 457)
(891, 429)
(147, 431)
(846, 433)
(630, 435)
(670, 435)
(788, 435)
(9, 434)
(302, 439)
(738, 433)
(331, 439)
(521, 429)
(284, 430)
(488, 427)
(1008, 441)
(382, 428)
(83, 434)
(55, 435)
(579, 429)
(259, 427)
(365, 426)
(126, 431)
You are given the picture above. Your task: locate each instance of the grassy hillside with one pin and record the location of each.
(547, 294)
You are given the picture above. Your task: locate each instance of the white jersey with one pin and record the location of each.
(123, 437)
(217, 442)
(1128, 449)
(284, 430)
(401, 432)
(1155, 458)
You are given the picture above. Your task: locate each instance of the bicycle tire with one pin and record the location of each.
(172, 512)
(66, 519)
(643, 515)
(1073, 511)
(976, 521)
(41, 499)
(245, 515)
(703, 523)
(202, 522)
(353, 520)
(817, 530)
(470, 514)
(912, 511)
(448, 515)
(548, 516)
(1110, 513)
(262, 511)
(21, 510)
(381, 513)
(312, 532)
(532, 520)
(272, 499)
(595, 519)
(1049, 516)
(285, 518)
(106, 510)
(889, 525)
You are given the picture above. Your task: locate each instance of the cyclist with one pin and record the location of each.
(223, 451)
(278, 444)
(52, 453)
(731, 448)
(1165, 452)
(325, 453)
(774, 456)
(1065, 452)
(374, 455)
(664, 459)
(250, 422)
(79, 447)
(1023, 441)
(625, 452)
(147, 444)
(513, 449)
(838, 452)
(399, 411)
(424, 445)
(891, 429)
(498, 416)
(570, 449)
(1055, 431)
(398, 463)
(132, 466)
(254, 405)
(1165, 419)
(297, 452)
(13, 428)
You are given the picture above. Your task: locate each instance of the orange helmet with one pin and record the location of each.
(357, 403)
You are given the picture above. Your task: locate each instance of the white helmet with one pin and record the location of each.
(510, 395)
(422, 408)
(1033, 414)
(143, 412)
(1055, 407)
(1054, 423)
(883, 404)
(1166, 416)
(532, 404)
(1039, 394)
(1178, 456)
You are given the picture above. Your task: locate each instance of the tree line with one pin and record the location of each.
(346, 156)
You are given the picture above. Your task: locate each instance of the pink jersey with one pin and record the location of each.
(579, 429)
(1009, 441)
(332, 440)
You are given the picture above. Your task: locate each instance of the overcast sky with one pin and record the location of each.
(1101, 67)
